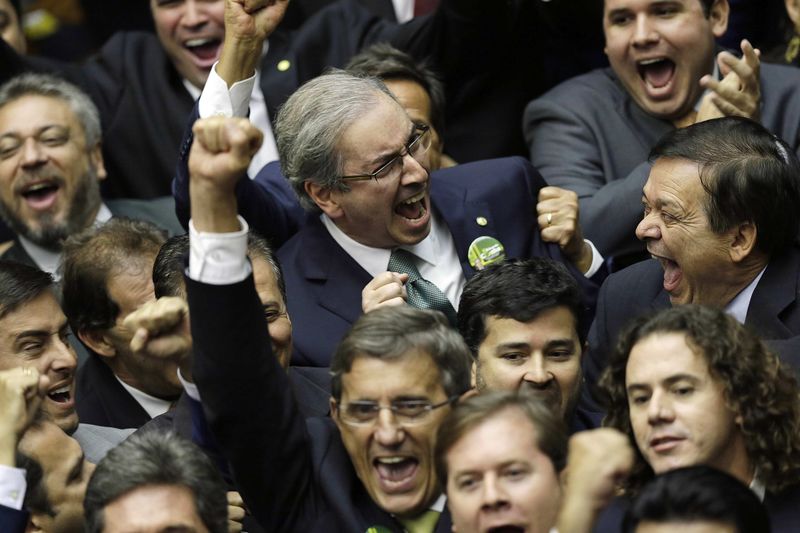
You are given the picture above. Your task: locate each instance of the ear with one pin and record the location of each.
(325, 198)
(743, 243)
(98, 342)
(793, 10)
(334, 410)
(96, 158)
(718, 17)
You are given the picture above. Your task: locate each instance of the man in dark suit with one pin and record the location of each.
(359, 165)
(690, 385)
(51, 168)
(526, 328)
(592, 134)
(721, 222)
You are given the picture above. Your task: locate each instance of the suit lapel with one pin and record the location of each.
(279, 74)
(776, 290)
(336, 278)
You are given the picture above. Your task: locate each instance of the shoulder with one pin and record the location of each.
(96, 441)
(597, 85)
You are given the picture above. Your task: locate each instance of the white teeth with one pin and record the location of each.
(391, 460)
(197, 42)
(61, 390)
(415, 198)
(38, 186)
(646, 62)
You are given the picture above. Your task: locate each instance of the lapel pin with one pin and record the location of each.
(485, 251)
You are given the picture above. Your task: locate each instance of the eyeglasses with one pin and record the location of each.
(416, 147)
(406, 412)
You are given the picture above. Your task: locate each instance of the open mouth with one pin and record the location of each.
(413, 208)
(506, 529)
(672, 272)
(205, 50)
(61, 394)
(656, 74)
(41, 195)
(397, 473)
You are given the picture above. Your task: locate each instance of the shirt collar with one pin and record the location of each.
(758, 487)
(738, 307)
(48, 260)
(375, 260)
(152, 405)
(715, 75)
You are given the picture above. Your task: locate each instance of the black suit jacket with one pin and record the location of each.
(294, 475)
(774, 313)
(12, 520)
(101, 400)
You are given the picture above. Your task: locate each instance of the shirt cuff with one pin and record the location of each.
(12, 487)
(219, 258)
(218, 99)
(191, 389)
(597, 260)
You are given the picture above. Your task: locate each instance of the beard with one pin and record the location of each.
(50, 233)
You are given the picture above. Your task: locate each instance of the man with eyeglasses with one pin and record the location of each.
(359, 166)
(367, 467)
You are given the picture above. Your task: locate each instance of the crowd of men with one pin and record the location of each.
(333, 273)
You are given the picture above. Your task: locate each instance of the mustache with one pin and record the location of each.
(37, 175)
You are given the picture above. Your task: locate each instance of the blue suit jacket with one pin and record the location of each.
(12, 520)
(324, 283)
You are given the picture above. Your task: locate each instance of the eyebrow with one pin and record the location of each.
(671, 380)
(386, 156)
(560, 343)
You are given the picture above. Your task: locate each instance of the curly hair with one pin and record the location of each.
(757, 387)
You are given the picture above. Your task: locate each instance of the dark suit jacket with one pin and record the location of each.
(293, 475)
(324, 283)
(773, 313)
(101, 400)
(783, 510)
(587, 135)
(12, 520)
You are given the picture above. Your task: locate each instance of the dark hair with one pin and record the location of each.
(19, 284)
(520, 289)
(17, 6)
(169, 264)
(390, 333)
(386, 62)
(762, 391)
(551, 433)
(706, 4)
(749, 174)
(92, 257)
(155, 458)
(698, 493)
(36, 498)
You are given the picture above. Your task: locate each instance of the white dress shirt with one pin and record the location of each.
(738, 307)
(153, 406)
(12, 487)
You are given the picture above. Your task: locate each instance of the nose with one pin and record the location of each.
(387, 431)
(648, 228)
(659, 409)
(537, 373)
(644, 32)
(413, 170)
(194, 14)
(494, 496)
(32, 153)
(62, 358)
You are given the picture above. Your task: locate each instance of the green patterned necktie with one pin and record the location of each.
(424, 523)
(421, 293)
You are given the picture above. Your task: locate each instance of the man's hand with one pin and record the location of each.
(221, 152)
(739, 92)
(161, 330)
(558, 213)
(21, 392)
(598, 461)
(387, 288)
(248, 23)
(236, 512)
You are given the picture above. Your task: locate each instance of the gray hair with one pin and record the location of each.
(311, 122)
(390, 333)
(54, 87)
(155, 458)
